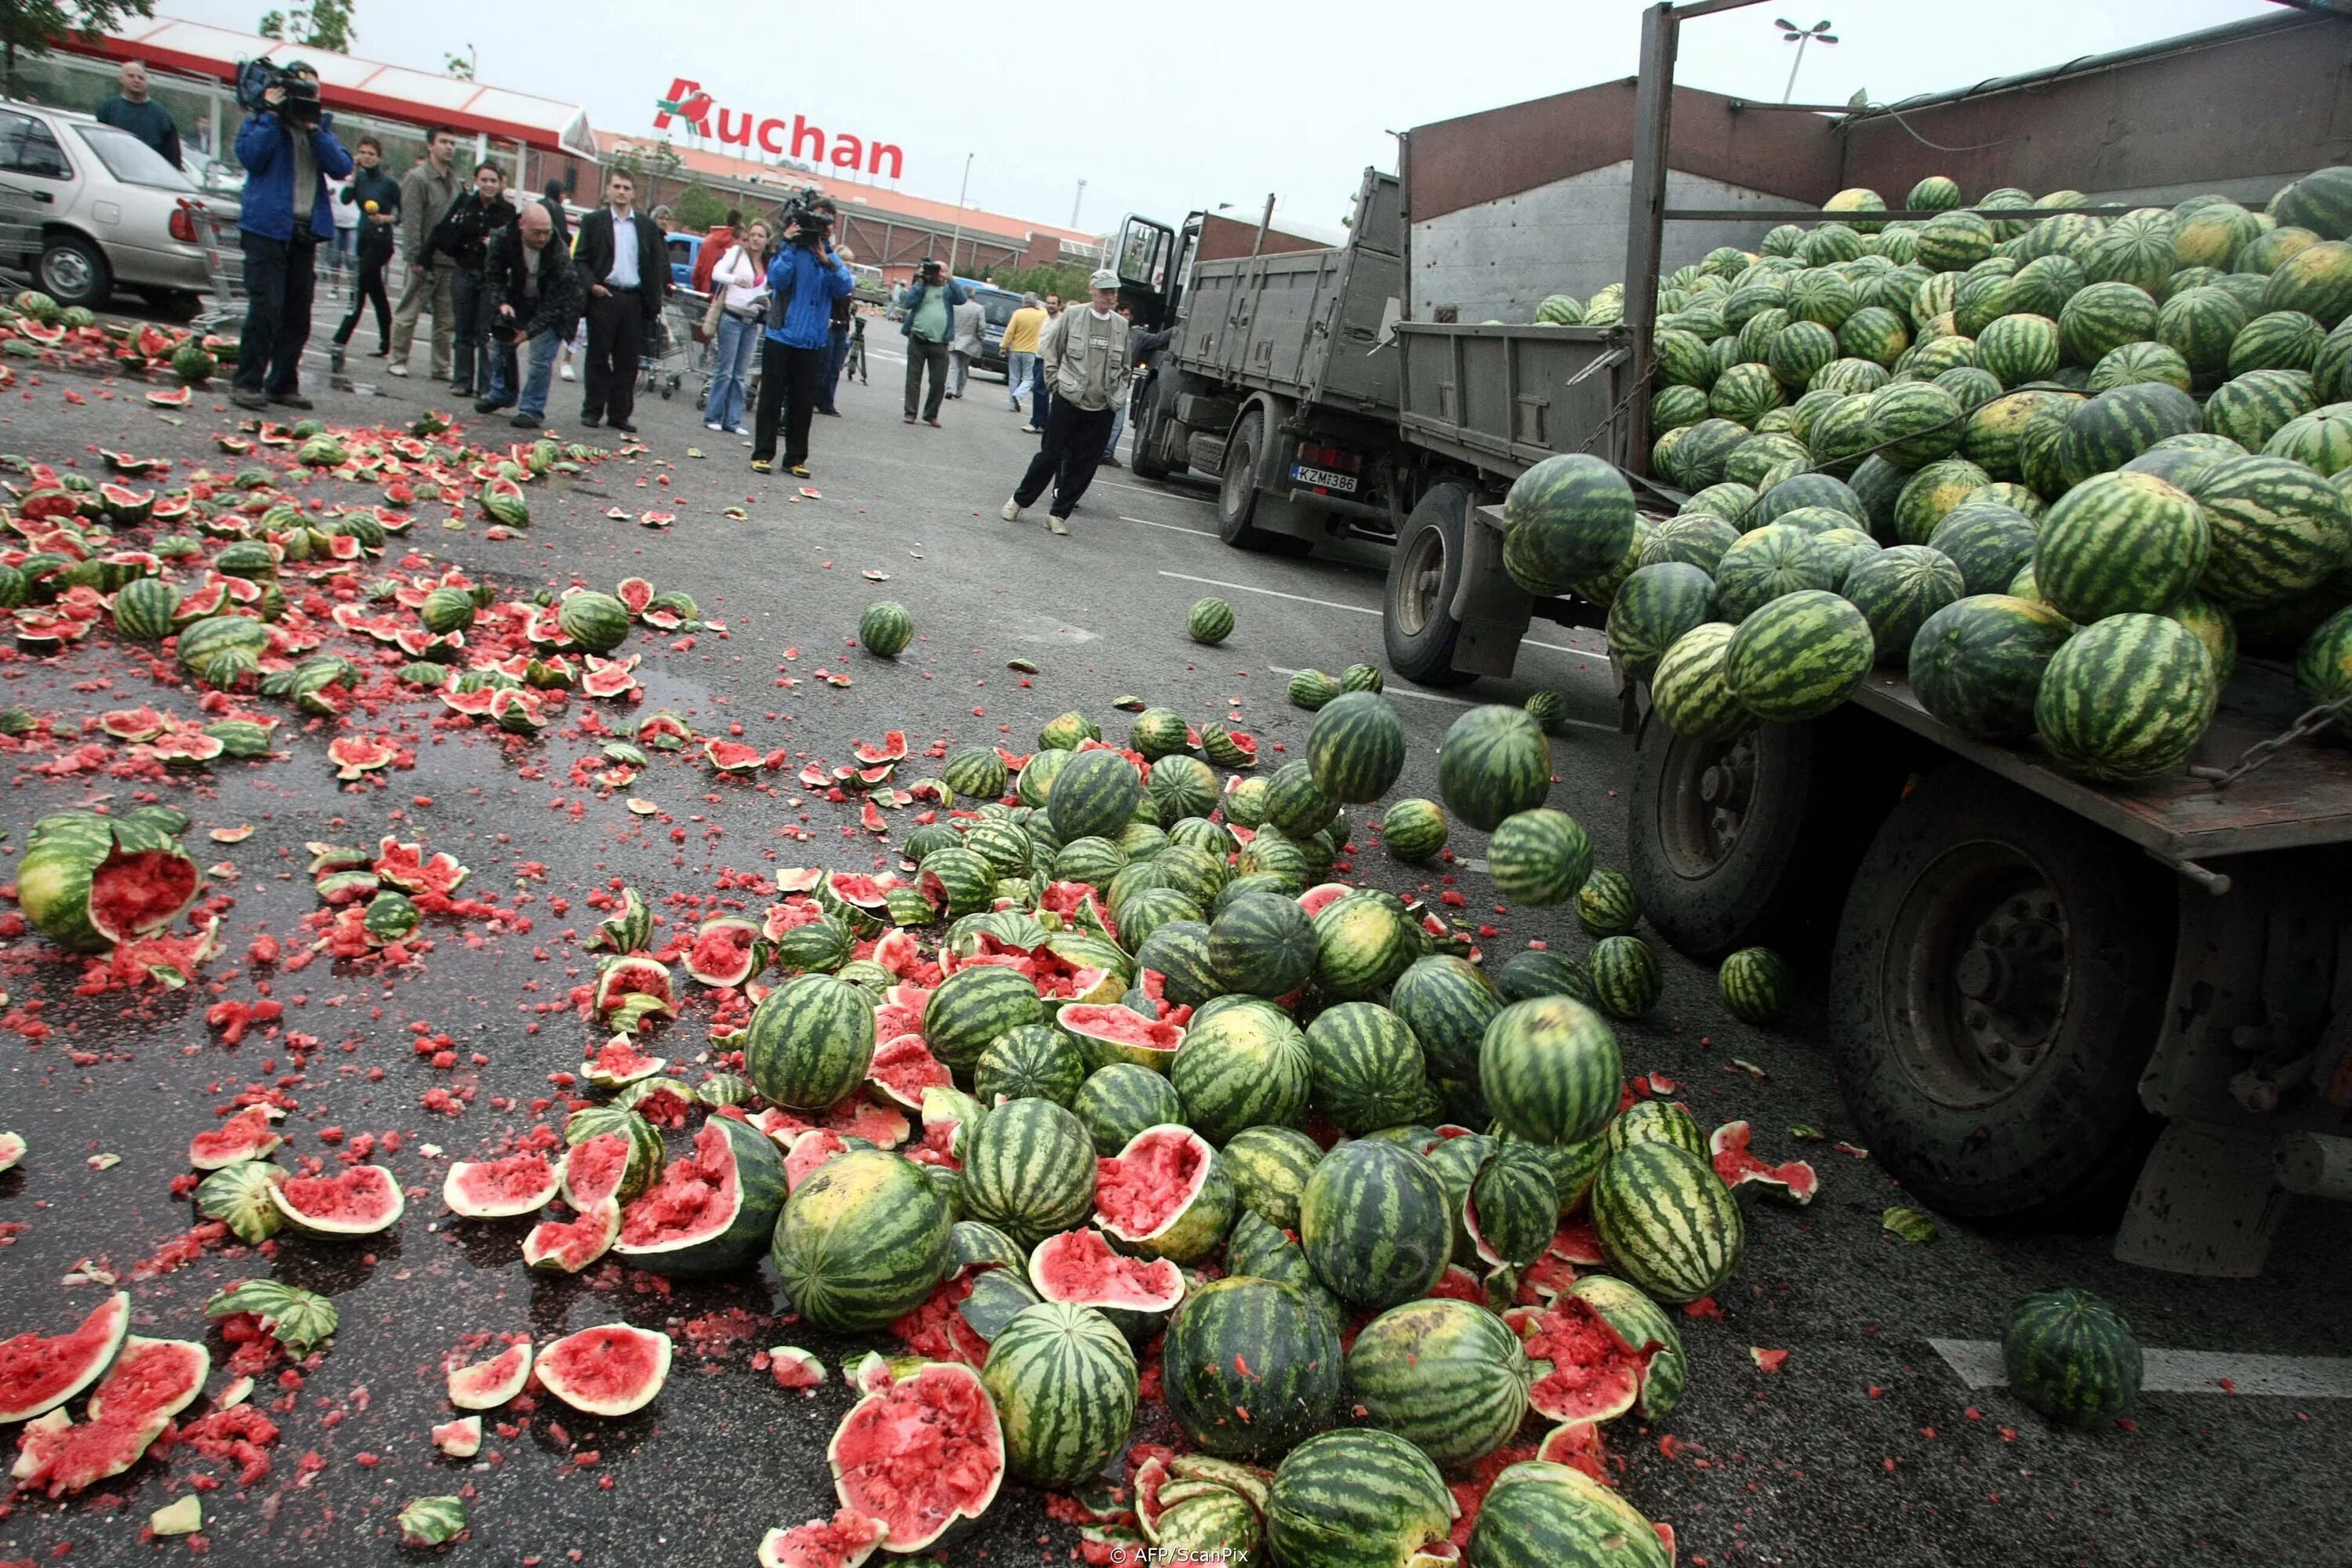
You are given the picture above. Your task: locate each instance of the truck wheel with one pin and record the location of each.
(1418, 630)
(1152, 422)
(1997, 985)
(1240, 506)
(1714, 827)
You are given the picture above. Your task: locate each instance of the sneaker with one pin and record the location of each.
(1011, 512)
(290, 400)
(798, 470)
(739, 430)
(762, 465)
(395, 370)
(713, 425)
(625, 427)
(1110, 462)
(565, 373)
(910, 419)
(248, 400)
(525, 422)
(485, 406)
(1055, 524)
(933, 423)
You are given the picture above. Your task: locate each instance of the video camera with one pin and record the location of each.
(255, 77)
(815, 223)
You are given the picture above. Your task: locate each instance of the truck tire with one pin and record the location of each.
(1418, 630)
(1153, 422)
(1997, 985)
(1242, 508)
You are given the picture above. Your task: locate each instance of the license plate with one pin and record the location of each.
(1322, 480)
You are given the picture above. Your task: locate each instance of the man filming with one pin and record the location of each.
(803, 280)
(290, 153)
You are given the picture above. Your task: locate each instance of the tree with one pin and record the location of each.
(31, 27)
(321, 25)
(1066, 278)
(698, 207)
(461, 65)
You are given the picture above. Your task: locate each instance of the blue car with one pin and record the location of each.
(685, 251)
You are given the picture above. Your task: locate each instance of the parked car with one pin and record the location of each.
(685, 251)
(106, 209)
(996, 306)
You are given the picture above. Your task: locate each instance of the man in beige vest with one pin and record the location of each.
(428, 192)
(1084, 355)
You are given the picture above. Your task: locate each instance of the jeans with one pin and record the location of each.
(1041, 401)
(369, 292)
(502, 354)
(469, 298)
(788, 386)
(923, 354)
(616, 340)
(739, 339)
(1067, 457)
(426, 292)
(1017, 370)
(836, 354)
(280, 275)
(1117, 428)
(959, 369)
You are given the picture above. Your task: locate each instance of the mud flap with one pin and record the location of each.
(2207, 1203)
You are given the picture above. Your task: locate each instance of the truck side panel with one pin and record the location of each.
(1506, 397)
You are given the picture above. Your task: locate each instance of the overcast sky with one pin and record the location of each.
(1165, 108)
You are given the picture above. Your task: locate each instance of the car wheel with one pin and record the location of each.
(73, 271)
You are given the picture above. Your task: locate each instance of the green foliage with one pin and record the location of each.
(698, 207)
(1066, 278)
(31, 27)
(321, 25)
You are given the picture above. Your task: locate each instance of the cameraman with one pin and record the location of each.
(290, 153)
(804, 281)
(931, 301)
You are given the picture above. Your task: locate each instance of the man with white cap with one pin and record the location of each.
(1087, 364)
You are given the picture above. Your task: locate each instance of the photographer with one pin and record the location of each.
(804, 281)
(290, 153)
(624, 261)
(533, 297)
(932, 302)
(464, 235)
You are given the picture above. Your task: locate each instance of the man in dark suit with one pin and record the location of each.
(624, 264)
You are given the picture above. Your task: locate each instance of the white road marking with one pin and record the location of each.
(1269, 593)
(1172, 527)
(1979, 1364)
(1153, 490)
(1573, 652)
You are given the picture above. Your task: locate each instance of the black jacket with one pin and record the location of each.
(374, 186)
(592, 255)
(553, 301)
(464, 233)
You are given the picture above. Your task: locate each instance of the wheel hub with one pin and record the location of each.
(1978, 984)
(1422, 578)
(1705, 804)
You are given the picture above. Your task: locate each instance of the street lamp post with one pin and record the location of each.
(958, 237)
(1792, 33)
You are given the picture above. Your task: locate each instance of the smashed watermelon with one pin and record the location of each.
(1736, 1164)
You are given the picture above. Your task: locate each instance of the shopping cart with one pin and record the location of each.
(20, 231)
(224, 266)
(670, 350)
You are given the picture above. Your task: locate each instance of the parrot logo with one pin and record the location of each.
(688, 102)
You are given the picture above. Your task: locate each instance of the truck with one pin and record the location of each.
(2048, 1000)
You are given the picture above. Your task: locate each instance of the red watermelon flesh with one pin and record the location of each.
(1151, 1180)
(134, 723)
(37, 1372)
(1576, 1444)
(406, 866)
(501, 1189)
(893, 749)
(1459, 1284)
(472, 704)
(904, 1066)
(1794, 1183)
(595, 1169)
(732, 756)
(793, 1367)
(864, 892)
(57, 1456)
(845, 1541)
(1585, 1371)
(608, 680)
(920, 1454)
(1577, 1242)
(695, 1196)
(635, 593)
(722, 954)
(150, 1378)
(133, 894)
(569, 1246)
(247, 1135)
(810, 1151)
(883, 1126)
(609, 1371)
(1078, 1266)
(360, 1201)
(898, 953)
(1120, 1025)
(1317, 899)
(486, 1384)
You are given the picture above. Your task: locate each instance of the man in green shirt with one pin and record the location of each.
(931, 300)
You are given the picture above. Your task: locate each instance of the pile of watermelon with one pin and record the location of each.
(33, 326)
(1107, 1075)
(2056, 468)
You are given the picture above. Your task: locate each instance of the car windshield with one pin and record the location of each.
(132, 161)
(997, 309)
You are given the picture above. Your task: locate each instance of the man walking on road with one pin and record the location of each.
(930, 322)
(625, 262)
(1084, 355)
(428, 192)
(1021, 348)
(804, 281)
(967, 340)
(536, 297)
(131, 110)
(286, 214)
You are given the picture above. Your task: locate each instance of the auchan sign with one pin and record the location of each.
(797, 137)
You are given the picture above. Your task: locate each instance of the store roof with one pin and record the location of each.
(367, 87)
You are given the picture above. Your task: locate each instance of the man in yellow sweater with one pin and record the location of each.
(1021, 347)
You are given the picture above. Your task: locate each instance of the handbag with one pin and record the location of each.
(708, 330)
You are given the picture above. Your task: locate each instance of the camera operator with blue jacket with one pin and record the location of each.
(290, 153)
(803, 280)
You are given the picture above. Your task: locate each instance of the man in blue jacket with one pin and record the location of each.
(930, 325)
(290, 153)
(803, 280)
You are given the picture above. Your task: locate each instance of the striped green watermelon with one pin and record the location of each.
(2320, 201)
(2329, 363)
(1447, 1003)
(1032, 1061)
(1243, 1066)
(2017, 349)
(1494, 761)
(1873, 333)
(1898, 590)
(1539, 857)
(1656, 605)
(1270, 1166)
(1375, 1223)
(1673, 407)
(1799, 350)
(2252, 407)
(1029, 1171)
(1606, 904)
(1550, 1069)
(1683, 359)
(1261, 945)
(1363, 940)
(2315, 280)
(1542, 1515)
(1447, 1376)
(1804, 490)
(1666, 1223)
(1700, 454)
(1119, 1100)
(1358, 1499)
(1798, 657)
(1365, 1066)
(1688, 689)
(2071, 1357)
(809, 1042)
(1065, 1385)
(1179, 951)
(1356, 747)
(1295, 805)
(1625, 976)
(1559, 311)
(970, 1008)
(1744, 393)
(973, 771)
(1181, 788)
(1413, 830)
(711, 1213)
(1820, 295)
(1566, 518)
(2102, 317)
(2278, 528)
(1250, 1368)
(1914, 422)
(1988, 541)
(2321, 440)
(1094, 794)
(885, 629)
(1696, 538)
(1977, 664)
(861, 1241)
(1974, 387)
(1755, 983)
(2127, 699)
(143, 608)
(1954, 241)
(2111, 430)
(2135, 249)
(2043, 285)
(2122, 542)
(2140, 361)
(2201, 324)
(1850, 377)
(1778, 559)
(2278, 340)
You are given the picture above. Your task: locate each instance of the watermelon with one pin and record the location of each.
(1029, 1171)
(885, 629)
(2120, 543)
(1977, 663)
(2127, 699)
(1358, 1499)
(974, 1007)
(1745, 393)
(2315, 280)
(1165, 1195)
(1413, 830)
(811, 1041)
(1780, 558)
(38, 1373)
(597, 622)
(2201, 325)
(1355, 749)
(1494, 761)
(1929, 496)
(1029, 1062)
(2320, 202)
(2111, 430)
(1158, 732)
(1375, 1223)
(2251, 408)
(1625, 976)
(1447, 1376)
(1606, 904)
(2321, 440)
(1540, 857)
(2101, 318)
(1065, 1385)
(1243, 1065)
(1654, 607)
(2277, 527)
(501, 1188)
(1363, 940)
(1798, 655)
(1898, 590)
(975, 773)
(1550, 1069)
(1311, 688)
(1873, 333)
(861, 1241)
(1542, 1515)
(1094, 794)
(1365, 1066)
(1755, 983)
(1665, 1222)
(2043, 285)
(88, 882)
(1796, 350)
(1568, 518)
(1559, 311)
(1250, 1368)
(1447, 1003)
(2071, 1357)
(2138, 362)
(711, 1213)
(1913, 423)
(923, 1453)
(2019, 348)
(1261, 945)
(1690, 691)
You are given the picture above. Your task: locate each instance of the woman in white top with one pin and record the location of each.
(742, 272)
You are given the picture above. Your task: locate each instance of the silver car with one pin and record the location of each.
(103, 207)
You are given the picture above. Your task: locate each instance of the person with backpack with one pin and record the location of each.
(463, 237)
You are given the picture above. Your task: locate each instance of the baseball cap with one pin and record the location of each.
(1104, 278)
